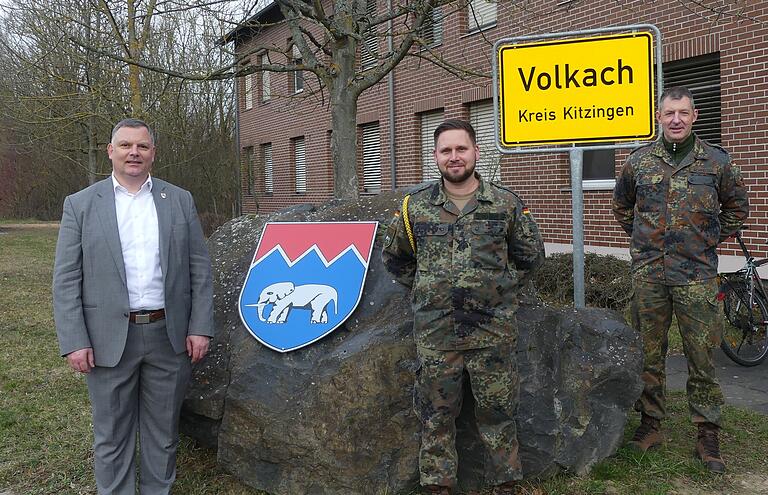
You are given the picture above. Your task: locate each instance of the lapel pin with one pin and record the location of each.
(162, 195)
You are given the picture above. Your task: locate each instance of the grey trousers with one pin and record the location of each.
(142, 394)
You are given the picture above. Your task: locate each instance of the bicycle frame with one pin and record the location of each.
(750, 273)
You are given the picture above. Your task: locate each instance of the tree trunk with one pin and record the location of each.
(344, 122)
(93, 149)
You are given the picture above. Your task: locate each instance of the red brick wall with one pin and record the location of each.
(542, 180)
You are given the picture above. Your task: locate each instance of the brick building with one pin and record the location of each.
(720, 53)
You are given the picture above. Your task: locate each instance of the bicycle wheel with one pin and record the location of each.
(745, 330)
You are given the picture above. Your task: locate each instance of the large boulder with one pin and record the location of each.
(335, 417)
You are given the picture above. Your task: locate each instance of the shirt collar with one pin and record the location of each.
(482, 193)
(118, 187)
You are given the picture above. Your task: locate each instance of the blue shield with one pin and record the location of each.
(305, 280)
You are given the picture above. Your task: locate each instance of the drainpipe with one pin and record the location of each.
(391, 98)
(239, 197)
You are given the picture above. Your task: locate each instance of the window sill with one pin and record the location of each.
(486, 27)
(594, 185)
(429, 47)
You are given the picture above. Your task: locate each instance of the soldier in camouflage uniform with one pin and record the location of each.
(472, 246)
(678, 198)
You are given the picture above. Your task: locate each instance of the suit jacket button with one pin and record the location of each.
(125, 314)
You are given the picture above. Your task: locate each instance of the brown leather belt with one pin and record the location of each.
(146, 316)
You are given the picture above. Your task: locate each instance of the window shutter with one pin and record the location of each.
(480, 13)
(267, 157)
(429, 121)
(371, 158)
(432, 29)
(301, 165)
(248, 175)
(701, 75)
(298, 75)
(369, 48)
(249, 91)
(481, 117)
(266, 86)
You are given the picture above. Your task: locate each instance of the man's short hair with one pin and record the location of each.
(134, 124)
(676, 93)
(456, 124)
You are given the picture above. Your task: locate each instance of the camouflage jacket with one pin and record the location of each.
(468, 267)
(676, 215)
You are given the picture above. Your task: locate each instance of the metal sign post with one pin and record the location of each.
(577, 200)
(559, 90)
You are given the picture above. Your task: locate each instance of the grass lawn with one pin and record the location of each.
(45, 420)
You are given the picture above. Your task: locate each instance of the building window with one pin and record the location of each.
(481, 117)
(266, 160)
(701, 75)
(429, 122)
(598, 168)
(299, 160)
(249, 91)
(266, 85)
(298, 75)
(371, 158)
(431, 31)
(481, 14)
(369, 48)
(247, 172)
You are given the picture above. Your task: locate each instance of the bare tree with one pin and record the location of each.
(59, 99)
(327, 39)
(329, 46)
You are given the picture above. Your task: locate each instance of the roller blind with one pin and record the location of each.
(371, 158)
(429, 121)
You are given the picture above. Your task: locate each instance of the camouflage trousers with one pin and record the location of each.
(699, 319)
(438, 396)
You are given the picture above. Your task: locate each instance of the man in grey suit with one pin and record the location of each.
(133, 304)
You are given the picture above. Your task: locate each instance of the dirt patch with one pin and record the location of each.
(22, 226)
(740, 484)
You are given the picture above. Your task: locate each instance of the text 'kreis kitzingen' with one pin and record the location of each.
(565, 77)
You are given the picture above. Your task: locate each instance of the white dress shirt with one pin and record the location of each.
(140, 240)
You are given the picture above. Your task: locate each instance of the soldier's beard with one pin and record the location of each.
(458, 179)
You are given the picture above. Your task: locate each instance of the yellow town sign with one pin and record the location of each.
(578, 90)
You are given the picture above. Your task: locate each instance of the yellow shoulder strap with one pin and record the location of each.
(407, 222)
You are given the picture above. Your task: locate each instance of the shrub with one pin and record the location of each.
(607, 281)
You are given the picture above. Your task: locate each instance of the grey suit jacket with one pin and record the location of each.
(90, 296)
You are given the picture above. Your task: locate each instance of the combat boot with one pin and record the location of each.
(648, 435)
(708, 448)
(438, 490)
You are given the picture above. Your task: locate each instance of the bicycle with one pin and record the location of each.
(745, 303)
